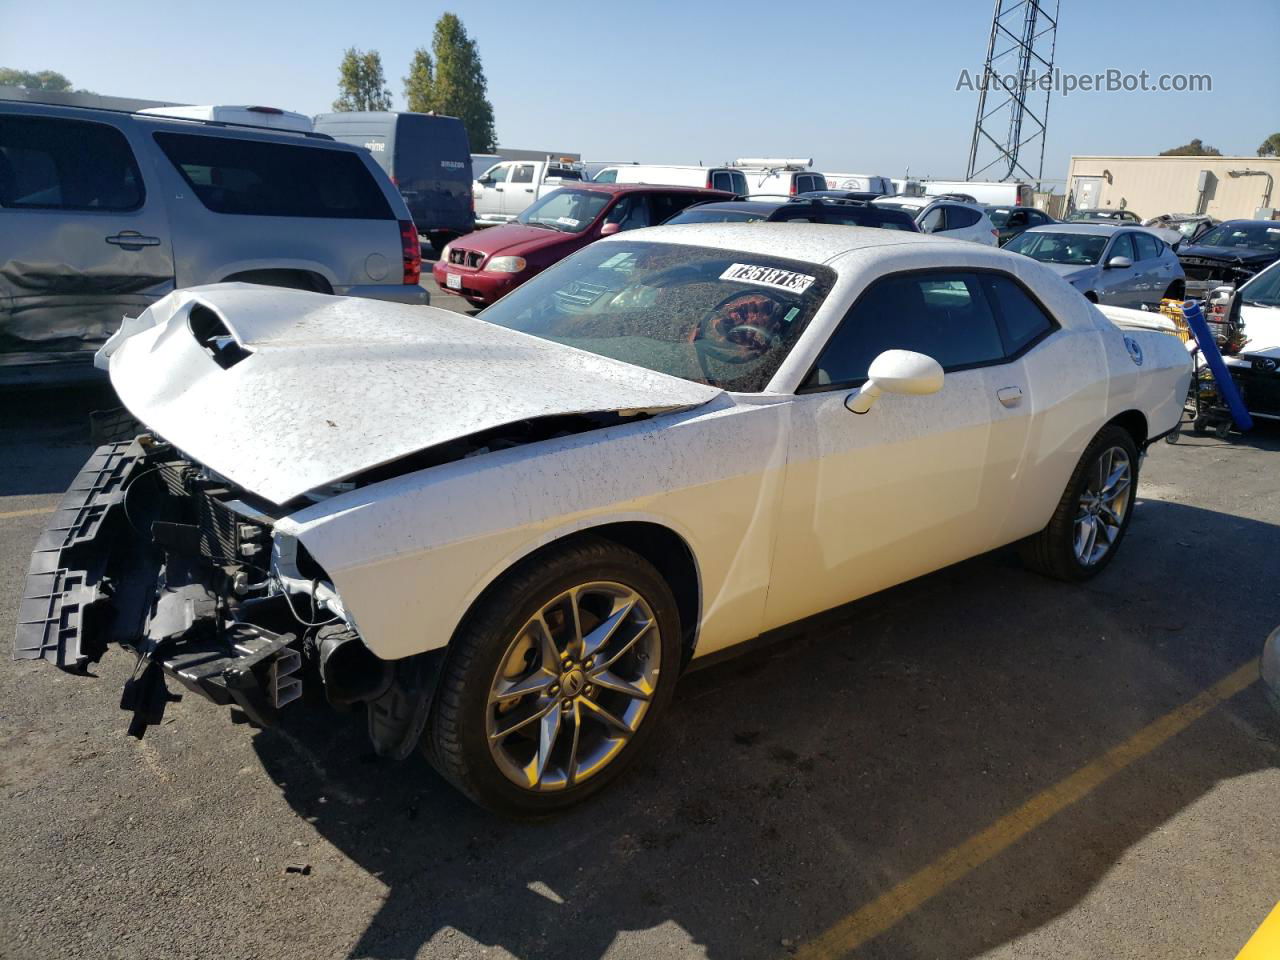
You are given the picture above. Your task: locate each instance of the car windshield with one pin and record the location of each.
(566, 210)
(1259, 236)
(1080, 249)
(696, 215)
(1097, 215)
(718, 317)
(1263, 290)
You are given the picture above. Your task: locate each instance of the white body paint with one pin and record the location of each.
(789, 503)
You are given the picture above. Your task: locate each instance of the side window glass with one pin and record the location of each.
(1147, 245)
(1122, 246)
(498, 174)
(943, 314)
(523, 173)
(931, 222)
(51, 163)
(606, 176)
(722, 180)
(958, 217)
(739, 184)
(1021, 317)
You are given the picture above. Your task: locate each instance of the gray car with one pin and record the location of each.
(1117, 265)
(103, 212)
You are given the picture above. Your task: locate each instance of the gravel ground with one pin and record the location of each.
(788, 788)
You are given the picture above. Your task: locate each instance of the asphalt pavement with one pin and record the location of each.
(980, 763)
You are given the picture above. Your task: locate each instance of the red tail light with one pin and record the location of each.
(792, 191)
(411, 250)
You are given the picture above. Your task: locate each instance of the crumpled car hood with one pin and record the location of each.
(283, 391)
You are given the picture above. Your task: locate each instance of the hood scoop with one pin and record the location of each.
(214, 337)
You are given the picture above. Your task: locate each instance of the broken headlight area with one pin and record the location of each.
(152, 551)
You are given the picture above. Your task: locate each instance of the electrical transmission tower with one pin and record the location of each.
(1008, 137)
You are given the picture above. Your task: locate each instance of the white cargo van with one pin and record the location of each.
(674, 175)
(779, 177)
(1013, 193)
(272, 117)
(862, 182)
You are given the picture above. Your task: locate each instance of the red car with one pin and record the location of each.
(485, 265)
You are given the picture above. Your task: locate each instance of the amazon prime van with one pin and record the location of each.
(428, 158)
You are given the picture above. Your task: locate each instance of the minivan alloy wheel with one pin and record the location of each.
(573, 686)
(1104, 501)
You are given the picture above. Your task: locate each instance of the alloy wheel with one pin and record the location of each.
(573, 686)
(1103, 506)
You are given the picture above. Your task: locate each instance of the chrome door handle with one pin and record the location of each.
(131, 238)
(498, 189)
(1009, 396)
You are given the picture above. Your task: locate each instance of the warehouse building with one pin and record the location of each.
(1222, 187)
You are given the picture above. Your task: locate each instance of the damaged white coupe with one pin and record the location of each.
(507, 535)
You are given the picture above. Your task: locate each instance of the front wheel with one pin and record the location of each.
(556, 680)
(1094, 512)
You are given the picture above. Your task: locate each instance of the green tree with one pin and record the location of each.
(1193, 149)
(419, 85)
(458, 88)
(361, 83)
(49, 80)
(1270, 146)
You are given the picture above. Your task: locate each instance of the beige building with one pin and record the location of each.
(1222, 187)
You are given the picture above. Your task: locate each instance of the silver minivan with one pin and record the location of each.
(103, 212)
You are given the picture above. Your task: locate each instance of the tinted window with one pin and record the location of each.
(722, 180)
(717, 215)
(257, 178)
(522, 173)
(1148, 246)
(1122, 246)
(1020, 316)
(720, 317)
(739, 184)
(942, 314)
(666, 205)
(66, 165)
(1035, 217)
(958, 217)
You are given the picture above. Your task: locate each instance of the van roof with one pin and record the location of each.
(284, 134)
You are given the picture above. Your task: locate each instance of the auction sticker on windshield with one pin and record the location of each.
(769, 277)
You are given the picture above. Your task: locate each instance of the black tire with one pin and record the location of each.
(456, 742)
(1052, 551)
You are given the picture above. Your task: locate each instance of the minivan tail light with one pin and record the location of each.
(411, 250)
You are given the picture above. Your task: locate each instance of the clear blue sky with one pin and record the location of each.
(866, 87)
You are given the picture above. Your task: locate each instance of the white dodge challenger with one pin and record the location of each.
(507, 535)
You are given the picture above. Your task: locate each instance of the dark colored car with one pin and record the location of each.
(484, 266)
(428, 159)
(1230, 253)
(806, 209)
(1011, 221)
(1103, 216)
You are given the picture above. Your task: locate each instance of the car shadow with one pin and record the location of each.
(44, 433)
(797, 783)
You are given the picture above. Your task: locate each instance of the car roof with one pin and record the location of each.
(812, 242)
(1091, 229)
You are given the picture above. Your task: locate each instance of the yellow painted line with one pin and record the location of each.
(33, 512)
(1265, 942)
(885, 911)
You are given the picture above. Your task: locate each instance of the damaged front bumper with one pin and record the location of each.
(97, 578)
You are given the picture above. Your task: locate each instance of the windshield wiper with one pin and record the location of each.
(544, 223)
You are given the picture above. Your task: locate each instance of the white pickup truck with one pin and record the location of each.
(504, 190)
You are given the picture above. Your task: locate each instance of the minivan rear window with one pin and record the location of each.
(258, 178)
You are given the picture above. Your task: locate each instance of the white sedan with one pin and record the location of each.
(509, 534)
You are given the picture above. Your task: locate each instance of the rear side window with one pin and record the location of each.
(723, 180)
(739, 183)
(1023, 320)
(958, 217)
(257, 178)
(666, 205)
(943, 314)
(522, 173)
(1148, 246)
(48, 163)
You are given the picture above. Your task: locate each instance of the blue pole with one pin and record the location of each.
(1209, 349)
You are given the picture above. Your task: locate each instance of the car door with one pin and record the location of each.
(520, 190)
(489, 190)
(1119, 286)
(1155, 269)
(916, 483)
(84, 239)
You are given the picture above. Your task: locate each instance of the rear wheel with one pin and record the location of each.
(1094, 512)
(557, 680)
